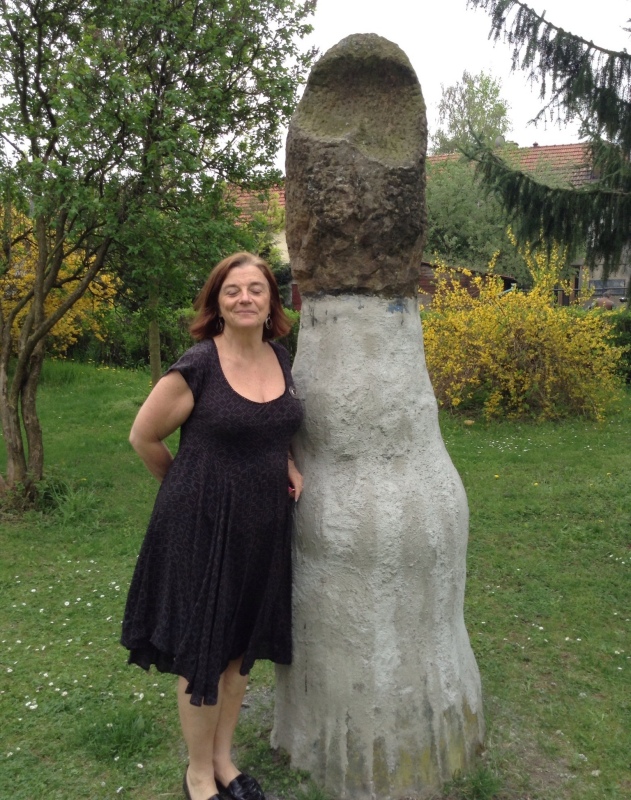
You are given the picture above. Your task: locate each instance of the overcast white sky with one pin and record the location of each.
(444, 37)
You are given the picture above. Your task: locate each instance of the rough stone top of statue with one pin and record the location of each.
(355, 173)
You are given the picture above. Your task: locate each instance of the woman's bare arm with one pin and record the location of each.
(167, 407)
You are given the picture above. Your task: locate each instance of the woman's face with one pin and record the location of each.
(244, 298)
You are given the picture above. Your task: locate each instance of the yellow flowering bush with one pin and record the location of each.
(518, 354)
(82, 317)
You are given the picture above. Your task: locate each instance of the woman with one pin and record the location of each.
(212, 587)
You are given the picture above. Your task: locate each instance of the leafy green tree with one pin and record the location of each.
(466, 228)
(473, 104)
(579, 81)
(164, 255)
(214, 81)
(116, 117)
(57, 178)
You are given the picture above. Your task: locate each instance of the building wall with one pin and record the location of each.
(617, 282)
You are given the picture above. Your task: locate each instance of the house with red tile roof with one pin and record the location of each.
(566, 165)
(557, 164)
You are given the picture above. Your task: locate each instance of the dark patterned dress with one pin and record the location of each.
(213, 578)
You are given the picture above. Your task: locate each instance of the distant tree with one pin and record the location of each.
(182, 241)
(579, 80)
(465, 227)
(115, 117)
(164, 253)
(212, 82)
(473, 104)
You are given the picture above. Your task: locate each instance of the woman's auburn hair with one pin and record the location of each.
(207, 323)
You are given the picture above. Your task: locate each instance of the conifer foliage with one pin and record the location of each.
(579, 80)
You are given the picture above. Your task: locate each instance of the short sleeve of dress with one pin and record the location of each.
(193, 367)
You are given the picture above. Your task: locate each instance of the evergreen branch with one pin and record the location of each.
(582, 79)
(611, 170)
(501, 8)
(595, 217)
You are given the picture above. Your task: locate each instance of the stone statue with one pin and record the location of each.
(383, 698)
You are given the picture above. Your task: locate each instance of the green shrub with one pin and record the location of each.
(291, 340)
(124, 339)
(621, 328)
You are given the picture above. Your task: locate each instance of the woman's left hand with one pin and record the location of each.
(295, 479)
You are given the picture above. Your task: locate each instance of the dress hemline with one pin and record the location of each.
(149, 655)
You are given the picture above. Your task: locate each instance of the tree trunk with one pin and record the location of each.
(16, 470)
(9, 413)
(32, 427)
(155, 362)
(24, 467)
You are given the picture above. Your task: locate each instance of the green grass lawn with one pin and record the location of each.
(548, 611)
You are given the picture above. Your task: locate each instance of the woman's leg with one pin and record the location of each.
(232, 688)
(208, 732)
(199, 724)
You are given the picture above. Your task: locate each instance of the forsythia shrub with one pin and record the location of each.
(84, 315)
(519, 354)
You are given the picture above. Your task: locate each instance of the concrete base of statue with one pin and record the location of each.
(383, 699)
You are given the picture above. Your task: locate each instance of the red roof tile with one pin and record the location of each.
(557, 164)
(250, 201)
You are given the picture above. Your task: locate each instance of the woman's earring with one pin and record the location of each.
(220, 324)
(268, 322)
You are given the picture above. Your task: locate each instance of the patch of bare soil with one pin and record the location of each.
(527, 772)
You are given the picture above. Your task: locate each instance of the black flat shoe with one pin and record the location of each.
(187, 794)
(243, 787)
